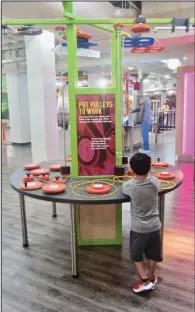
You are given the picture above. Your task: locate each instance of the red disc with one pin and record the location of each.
(38, 172)
(139, 50)
(155, 48)
(57, 181)
(118, 25)
(163, 176)
(140, 28)
(101, 190)
(53, 188)
(130, 172)
(159, 164)
(44, 177)
(29, 178)
(35, 185)
(55, 167)
(31, 166)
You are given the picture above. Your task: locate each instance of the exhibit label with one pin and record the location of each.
(96, 134)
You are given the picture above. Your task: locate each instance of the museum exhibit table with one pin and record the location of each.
(76, 195)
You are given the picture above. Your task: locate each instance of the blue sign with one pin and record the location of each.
(82, 44)
(138, 42)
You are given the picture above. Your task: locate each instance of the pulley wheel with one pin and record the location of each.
(159, 164)
(165, 175)
(31, 166)
(130, 172)
(98, 189)
(140, 28)
(28, 178)
(155, 48)
(44, 177)
(53, 188)
(38, 172)
(54, 167)
(57, 180)
(31, 185)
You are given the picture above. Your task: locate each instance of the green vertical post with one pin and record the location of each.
(71, 35)
(118, 104)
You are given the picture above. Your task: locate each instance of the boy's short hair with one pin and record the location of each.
(140, 163)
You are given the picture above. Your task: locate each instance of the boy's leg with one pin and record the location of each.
(153, 253)
(151, 264)
(141, 270)
(138, 243)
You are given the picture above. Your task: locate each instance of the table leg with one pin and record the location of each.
(74, 256)
(23, 219)
(161, 205)
(54, 215)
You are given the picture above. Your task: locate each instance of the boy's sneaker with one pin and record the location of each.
(143, 286)
(154, 280)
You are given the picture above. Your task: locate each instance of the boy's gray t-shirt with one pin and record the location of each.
(144, 204)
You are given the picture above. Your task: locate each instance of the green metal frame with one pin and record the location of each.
(71, 21)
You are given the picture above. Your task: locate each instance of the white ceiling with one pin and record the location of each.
(148, 62)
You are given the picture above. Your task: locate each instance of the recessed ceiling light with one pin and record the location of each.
(130, 68)
(184, 58)
(167, 76)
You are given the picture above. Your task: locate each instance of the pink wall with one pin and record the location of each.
(185, 111)
(188, 114)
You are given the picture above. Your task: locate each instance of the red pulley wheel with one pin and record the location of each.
(53, 188)
(139, 50)
(38, 172)
(165, 175)
(31, 166)
(140, 28)
(44, 177)
(155, 48)
(159, 164)
(28, 178)
(130, 172)
(57, 180)
(118, 25)
(31, 185)
(54, 167)
(98, 189)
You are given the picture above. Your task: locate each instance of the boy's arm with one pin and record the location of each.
(127, 188)
(156, 182)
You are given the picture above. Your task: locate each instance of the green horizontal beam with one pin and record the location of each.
(73, 17)
(103, 27)
(95, 91)
(35, 22)
(130, 21)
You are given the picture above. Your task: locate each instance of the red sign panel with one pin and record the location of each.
(96, 134)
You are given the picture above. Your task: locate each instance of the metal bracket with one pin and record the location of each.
(185, 22)
(141, 19)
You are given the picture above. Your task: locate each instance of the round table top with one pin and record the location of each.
(69, 197)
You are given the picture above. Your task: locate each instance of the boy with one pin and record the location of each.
(145, 236)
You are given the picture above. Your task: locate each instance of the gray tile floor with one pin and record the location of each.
(39, 278)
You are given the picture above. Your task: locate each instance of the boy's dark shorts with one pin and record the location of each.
(148, 244)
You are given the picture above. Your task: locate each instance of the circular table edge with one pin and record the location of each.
(86, 201)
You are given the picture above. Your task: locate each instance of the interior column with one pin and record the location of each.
(42, 100)
(17, 92)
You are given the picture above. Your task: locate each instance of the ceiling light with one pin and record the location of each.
(167, 76)
(146, 80)
(184, 58)
(130, 68)
(173, 64)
